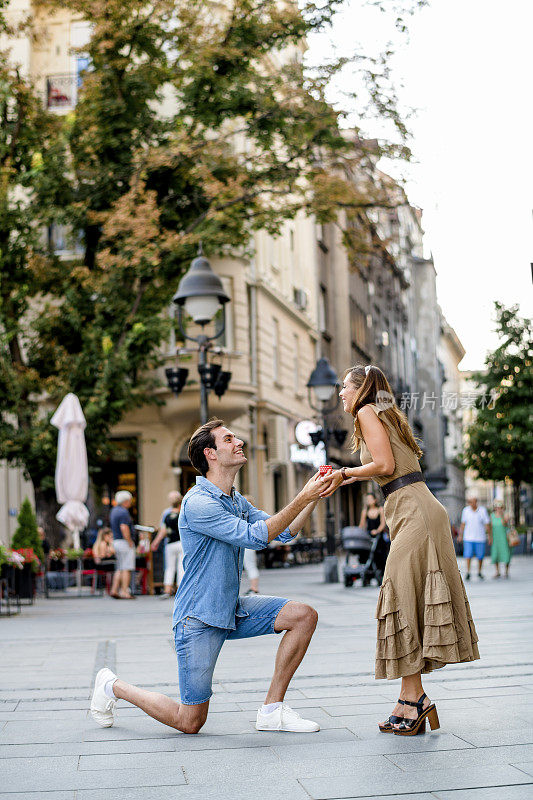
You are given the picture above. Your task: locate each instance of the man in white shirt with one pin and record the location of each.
(474, 531)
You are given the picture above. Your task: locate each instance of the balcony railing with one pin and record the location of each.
(62, 91)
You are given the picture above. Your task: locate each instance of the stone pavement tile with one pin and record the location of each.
(335, 691)
(40, 731)
(525, 766)
(77, 714)
(480, 683)
(523, 792)
(37, 795)
(39, 694)
(258, 697)
(498, 738)
(423, 796)
(215, 759)
(378, 744)
(428, 781)
(491, 691)
(354, 765)
(55, 780)
(271, 789)
(464, 758)
(322, 738)
(516, 703)
(53, 705)
(16, 751)
(135, 793)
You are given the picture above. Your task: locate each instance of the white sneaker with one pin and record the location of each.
(285, 718)
(102, 707)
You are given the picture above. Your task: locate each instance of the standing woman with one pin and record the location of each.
(500, 552)
(372, 515)
(424, 619)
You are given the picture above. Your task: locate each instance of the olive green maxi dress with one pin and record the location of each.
(424, 619)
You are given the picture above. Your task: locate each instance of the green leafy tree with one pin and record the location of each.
(195, 122)
(26, 534)
(500, 438)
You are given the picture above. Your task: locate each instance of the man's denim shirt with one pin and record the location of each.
(215, 528)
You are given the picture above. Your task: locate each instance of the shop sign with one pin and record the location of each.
(311, 456)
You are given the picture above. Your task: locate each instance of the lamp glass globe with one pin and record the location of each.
(202, 308)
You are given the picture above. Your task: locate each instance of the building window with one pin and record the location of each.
(358, 326)
(323, 309)
(296, 371)
(275, 351)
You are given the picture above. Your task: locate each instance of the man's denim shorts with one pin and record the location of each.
(476, 549)
(198, 644)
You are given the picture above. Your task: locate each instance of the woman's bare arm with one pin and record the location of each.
(378, 442)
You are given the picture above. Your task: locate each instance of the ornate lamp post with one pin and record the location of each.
(201, 293)
(323, 384)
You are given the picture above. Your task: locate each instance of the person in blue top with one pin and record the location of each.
(216, 524)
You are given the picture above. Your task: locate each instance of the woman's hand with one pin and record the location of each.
(336, 479)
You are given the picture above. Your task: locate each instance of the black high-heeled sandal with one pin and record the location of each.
(411, 727)
(386, 727)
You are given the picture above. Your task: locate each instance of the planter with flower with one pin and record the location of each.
(56, 560)
(26, 542)
(73, 555)
(25, 576)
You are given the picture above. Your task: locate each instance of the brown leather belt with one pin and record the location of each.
(403, 480)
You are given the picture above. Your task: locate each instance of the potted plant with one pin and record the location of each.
(4, 560)
(26, 534)
(73, 554)
(25, 577)
(56, 559)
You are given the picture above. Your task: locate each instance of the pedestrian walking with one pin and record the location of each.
(474, 531)
(424, 619)
(500, 552)
(121, 524)
(173, 547)
(216, 525)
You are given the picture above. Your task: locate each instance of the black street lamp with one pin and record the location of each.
(323, 383)
(201, 293)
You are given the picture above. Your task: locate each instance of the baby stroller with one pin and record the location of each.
(371, 552)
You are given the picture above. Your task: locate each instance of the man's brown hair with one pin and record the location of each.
(202, 438)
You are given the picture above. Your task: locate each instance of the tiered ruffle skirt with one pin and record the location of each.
(414, 642)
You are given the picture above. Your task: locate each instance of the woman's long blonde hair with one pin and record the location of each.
(100, 539)
(373, 387)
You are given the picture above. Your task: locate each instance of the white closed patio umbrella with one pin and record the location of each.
(72, 471)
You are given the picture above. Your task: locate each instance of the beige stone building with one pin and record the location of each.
(270, 343)
(298, 298)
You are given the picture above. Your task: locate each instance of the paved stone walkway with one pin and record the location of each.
(51, 750)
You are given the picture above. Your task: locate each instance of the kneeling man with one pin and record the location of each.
(216, 524)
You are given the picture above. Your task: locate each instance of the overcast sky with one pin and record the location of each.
(467, 69)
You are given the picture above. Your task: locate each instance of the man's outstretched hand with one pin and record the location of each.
(315, 486)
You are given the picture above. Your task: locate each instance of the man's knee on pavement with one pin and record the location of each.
(191, 726)
(192, 721)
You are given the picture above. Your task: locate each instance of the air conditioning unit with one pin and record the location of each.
(301, 299)
(277, 439)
